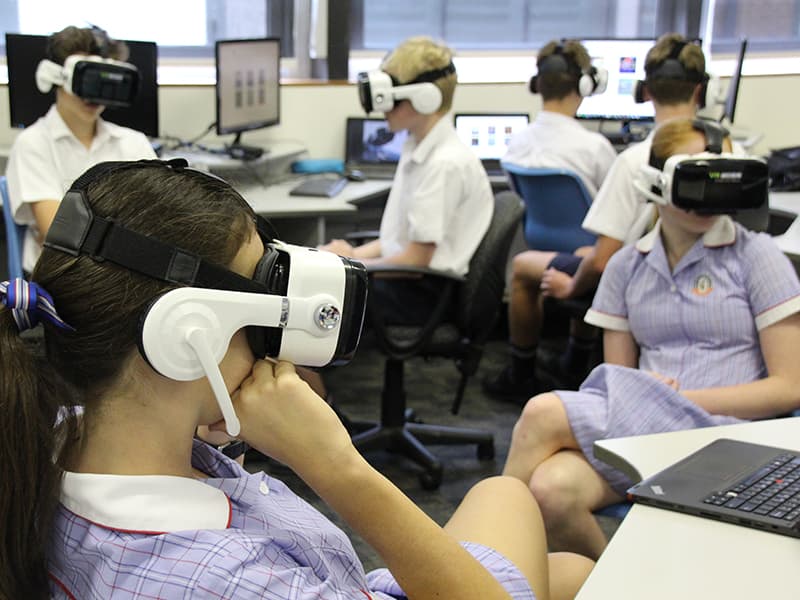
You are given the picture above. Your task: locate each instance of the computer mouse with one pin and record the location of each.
(355, 175)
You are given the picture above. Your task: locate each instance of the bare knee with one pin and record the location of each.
(501, 486)
(543, 416)
(558, 491)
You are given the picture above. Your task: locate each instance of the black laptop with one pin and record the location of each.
(370, 147)
(488, 134)
(733, 481)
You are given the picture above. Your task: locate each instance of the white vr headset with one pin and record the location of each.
(302, 305)
(95, 79)
(378, 91)
(706, 183)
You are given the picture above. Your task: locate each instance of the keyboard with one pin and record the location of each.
(772, 490)
(319, 186)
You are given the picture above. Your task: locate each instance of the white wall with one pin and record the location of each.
(314, 113)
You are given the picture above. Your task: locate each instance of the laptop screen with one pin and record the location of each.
(369, 141)
(489, 134)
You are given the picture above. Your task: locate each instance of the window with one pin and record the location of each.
(501, 24)
(768, 25)
(181, 28)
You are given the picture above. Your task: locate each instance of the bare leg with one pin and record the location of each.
(568, 489)
(568, 572)
(500, 512)
(541, 430)
(525, 303)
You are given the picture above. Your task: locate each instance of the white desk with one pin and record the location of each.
(787, 202)
(659, 554)
(274, 201)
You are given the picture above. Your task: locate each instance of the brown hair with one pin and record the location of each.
(674, 134)
(669, 91)
(86, 40)
(103, 303)
(556, 85)
(417, 55)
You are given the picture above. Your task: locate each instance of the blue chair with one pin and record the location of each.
(15, 234)
(556, 200)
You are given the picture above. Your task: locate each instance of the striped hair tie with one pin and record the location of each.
(29, 303)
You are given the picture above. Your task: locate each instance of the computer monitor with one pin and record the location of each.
(248, 86)
(27, 103)
(733, 87)
(624, 59)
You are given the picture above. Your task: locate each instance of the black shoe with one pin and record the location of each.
(563, 375)
(504, 387)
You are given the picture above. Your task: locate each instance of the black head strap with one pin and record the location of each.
(77, 231)
(672, 67)
(433, 74)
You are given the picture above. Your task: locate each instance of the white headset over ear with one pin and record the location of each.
(378, 91)
(593, 82)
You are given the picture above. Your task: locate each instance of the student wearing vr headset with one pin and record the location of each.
(565, 76)
(441, 200)
(166, 305)
(47, 156)
(675, 83)
(701, 321)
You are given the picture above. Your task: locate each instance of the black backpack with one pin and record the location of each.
(784, 168)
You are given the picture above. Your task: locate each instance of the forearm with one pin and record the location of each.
(370, 250)
(586, 277)
(766, 397)
(426, 561)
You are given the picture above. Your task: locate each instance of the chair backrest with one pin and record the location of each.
(480, 296)
(15, 234)
(556, 200)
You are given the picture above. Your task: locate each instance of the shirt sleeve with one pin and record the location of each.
(32, 176)
(770, 279)
(616, 207)
(609, 308)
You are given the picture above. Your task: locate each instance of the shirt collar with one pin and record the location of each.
(59, 129)
(722, 233)
(146, 503)
(422, 149)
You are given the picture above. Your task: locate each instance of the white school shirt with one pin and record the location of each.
(440, 195)
(618, 210)
(47, 157)
(557, 141)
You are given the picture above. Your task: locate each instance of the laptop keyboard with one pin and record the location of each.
(773, 490)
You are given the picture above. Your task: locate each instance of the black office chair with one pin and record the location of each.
(457, 328)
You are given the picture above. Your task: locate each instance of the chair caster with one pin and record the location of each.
(486, 450)
(431, 480)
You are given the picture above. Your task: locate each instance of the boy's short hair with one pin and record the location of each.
(84, 40)
(418, 55)
(670, 91)
(558, 85)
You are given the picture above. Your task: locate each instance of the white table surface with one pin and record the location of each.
(658, 554)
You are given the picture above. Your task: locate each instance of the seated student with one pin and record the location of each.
(441, 200)
(675, 70)
(700, 321)
(124, 502)
(555, 139)
(50, 154)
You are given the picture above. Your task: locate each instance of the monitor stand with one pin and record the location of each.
(241, 151)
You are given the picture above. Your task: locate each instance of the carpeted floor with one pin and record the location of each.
(430, 384)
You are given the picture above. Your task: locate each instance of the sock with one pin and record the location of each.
(523, 362)
(576, 357)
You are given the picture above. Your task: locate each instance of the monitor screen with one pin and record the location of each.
(733, 86)
(27, 103)
(624, 60)
(488, 134)
(248, 84)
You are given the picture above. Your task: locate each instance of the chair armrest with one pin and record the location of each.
(407, 348)
(410, 272)
(356, 238)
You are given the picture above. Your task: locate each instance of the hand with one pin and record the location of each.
(340, 247)
(556, 284)
(282, 417)
(670, 381)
